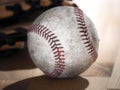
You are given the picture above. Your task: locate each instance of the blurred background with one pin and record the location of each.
(106, 16)
(17, 15)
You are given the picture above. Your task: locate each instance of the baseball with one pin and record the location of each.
(63, 42)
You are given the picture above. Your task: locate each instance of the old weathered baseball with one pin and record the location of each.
(63, 42)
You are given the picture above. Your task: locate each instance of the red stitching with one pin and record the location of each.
(84, 33)
(55, 45)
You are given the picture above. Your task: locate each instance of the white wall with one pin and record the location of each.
(106, 16)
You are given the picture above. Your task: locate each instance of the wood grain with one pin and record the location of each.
(97, 83)
(78, 83)
(4, 83)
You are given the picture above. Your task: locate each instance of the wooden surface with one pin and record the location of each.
(77, 83)
(44, 83)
